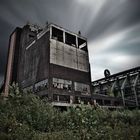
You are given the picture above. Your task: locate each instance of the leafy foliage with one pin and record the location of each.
(24, 116)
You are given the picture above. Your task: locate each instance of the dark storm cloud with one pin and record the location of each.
(15, 13)
(5, 30)
(112, 27)
(115, 16)
(38, 11)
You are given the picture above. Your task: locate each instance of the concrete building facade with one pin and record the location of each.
(51, 62)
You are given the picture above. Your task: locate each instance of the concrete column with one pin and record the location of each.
(122, 90)
(64, 36)
(50, 32)
(134, 88)
(77, 41)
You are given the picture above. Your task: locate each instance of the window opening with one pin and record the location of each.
(70, 39)
(41, 85)
(99, 101)
(57, 34)
(83, 88)
(107, 102)
(64, 98)
(55, 97)
(31, 36)
(62, 84)
(82, 44)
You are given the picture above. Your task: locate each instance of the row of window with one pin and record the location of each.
(66, 84)
(60, 84)
(69, 39)
(79, 100)
(71, 99)
(107, 102)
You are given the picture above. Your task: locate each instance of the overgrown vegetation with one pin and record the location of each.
(24, 116)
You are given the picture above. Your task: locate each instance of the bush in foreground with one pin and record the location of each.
(24, 116)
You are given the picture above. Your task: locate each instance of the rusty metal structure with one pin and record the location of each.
(123, 86)
(51, 62)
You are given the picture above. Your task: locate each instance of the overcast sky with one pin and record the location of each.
(112, 28)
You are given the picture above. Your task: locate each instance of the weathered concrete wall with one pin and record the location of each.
(34, 60)
(68, 56)
(12, 60)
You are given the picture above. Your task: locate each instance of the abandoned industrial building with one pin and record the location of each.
(53, 62)
(123, 88)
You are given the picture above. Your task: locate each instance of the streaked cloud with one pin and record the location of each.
(111, 26)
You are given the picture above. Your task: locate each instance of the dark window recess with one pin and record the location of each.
(70, 39)
(77, 100)
(54, 97)
(100, 102)
(85, 100)
(31, 36)
(82, 44)
(128, 91)
(104, 92)
(116, 92)
(57, 34)
(107, 102)
(117, 103)
(64, 98)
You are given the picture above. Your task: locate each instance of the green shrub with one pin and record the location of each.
(24, 116)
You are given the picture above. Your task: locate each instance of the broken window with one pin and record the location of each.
(70, 39)
(83, 88)
(82, 44)
(62, 84)
(57, 34)
(41, 85)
